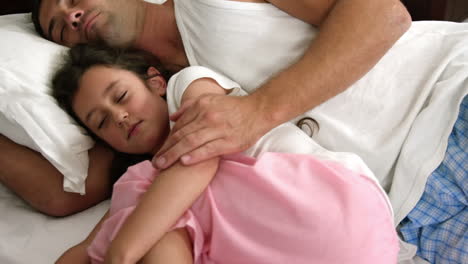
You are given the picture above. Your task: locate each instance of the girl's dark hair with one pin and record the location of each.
(81, 58)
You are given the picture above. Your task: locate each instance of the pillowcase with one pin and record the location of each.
(28, 114)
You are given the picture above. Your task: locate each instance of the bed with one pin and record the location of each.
(26, 235)
(31, 237)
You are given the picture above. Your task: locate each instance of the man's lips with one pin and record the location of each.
(133, 129)
(89, 23)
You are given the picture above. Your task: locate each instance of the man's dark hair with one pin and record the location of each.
(36, 5)
(80, 59)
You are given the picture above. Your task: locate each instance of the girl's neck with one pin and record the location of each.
(159, 145)
(160, 36)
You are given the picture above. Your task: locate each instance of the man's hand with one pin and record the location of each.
(210, 126)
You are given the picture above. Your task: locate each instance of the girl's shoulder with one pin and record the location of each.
(189, 74)
(182, 80)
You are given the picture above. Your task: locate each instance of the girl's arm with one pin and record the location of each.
(174, 247)
(169, 196)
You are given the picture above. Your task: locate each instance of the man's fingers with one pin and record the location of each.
(190, 141)
(190, 120)
(209, 127)
(177, 135)
(186, 118)
(187, 104)
(185, 125)
(209, 150)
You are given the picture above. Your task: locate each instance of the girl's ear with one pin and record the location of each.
(156, 81)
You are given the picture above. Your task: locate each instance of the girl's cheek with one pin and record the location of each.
(119, 145)
(113, 140)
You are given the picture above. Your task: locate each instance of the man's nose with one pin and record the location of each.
(73, 18)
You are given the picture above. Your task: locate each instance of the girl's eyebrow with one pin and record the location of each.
(106, 91)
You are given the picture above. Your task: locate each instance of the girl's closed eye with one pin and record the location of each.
(122, 97)
(102, 123)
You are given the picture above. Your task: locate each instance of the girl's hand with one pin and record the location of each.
(117, 254)
(75, 255)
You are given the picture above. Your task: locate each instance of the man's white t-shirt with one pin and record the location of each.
(397, 118)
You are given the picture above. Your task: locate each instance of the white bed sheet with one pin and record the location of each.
(27, 236)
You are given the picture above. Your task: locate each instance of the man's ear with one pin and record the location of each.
(156, 81)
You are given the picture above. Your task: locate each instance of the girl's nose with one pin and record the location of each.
(121, 118)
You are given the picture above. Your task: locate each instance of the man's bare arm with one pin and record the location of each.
(353, 36)
(34, 179)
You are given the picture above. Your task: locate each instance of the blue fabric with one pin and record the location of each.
(438, 225)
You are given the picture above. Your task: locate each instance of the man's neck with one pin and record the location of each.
(159, 34)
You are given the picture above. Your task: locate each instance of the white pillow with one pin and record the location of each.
(28, 114)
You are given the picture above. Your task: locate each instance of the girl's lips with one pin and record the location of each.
(133, 130)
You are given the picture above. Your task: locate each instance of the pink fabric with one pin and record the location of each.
(278, 208)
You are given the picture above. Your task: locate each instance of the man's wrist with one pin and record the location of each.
(265, 111)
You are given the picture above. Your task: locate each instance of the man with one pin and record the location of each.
(351, 32)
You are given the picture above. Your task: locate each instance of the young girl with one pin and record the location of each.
(263, 206)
